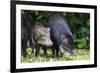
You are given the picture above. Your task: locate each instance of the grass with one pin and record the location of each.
(78, 54)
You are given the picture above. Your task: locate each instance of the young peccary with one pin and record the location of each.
(41, 38)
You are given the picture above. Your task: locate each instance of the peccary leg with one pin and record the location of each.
(37, 51)
(57, 51)
(32, 46)
(53, 51)
(23, 48)
(45, 51)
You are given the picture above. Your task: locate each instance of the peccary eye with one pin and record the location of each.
(42, 35)
(69, 46)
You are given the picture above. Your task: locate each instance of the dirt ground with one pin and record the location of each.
(78, 54)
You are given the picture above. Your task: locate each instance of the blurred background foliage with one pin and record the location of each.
(79, 24)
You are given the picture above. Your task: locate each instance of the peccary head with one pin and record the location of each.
(41, 35)
(66, 44)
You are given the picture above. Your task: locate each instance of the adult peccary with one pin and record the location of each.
(27, 24)
(60, 34)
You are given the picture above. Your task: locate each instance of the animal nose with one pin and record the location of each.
(49, 43)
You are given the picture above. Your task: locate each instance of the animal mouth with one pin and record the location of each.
(66, 50)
